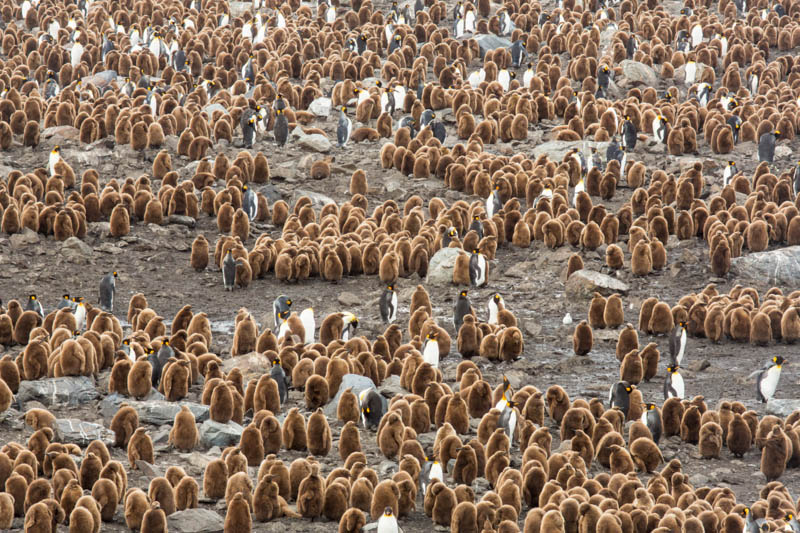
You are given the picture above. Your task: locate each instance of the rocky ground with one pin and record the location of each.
(154, 260)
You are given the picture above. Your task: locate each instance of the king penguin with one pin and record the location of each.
(430, 350)
(461, 309)
(495, 304)
(281, 128)
(430, 470)
(735, 124)
(388, 523)
(448, 236)
(350, 326)
(426, 118)
(80, 316)
(165, 352)
(791, 521)
(477, 226)
(628, 134)
(249, 129)
(508, 420)
(373, 406)
(651, 417)
(677, 343)
(34, 304)
(519, 52)
(388, 304)
(768, 377)
(108, 286)
(729, 172)
(152, 358)
(55, 157)
(280, 305)
(603, 77)
(309, 324)
(249, 202)
(65, 302)
(766, 146)
(660, 129)
(478, 267)
(673, 383)
(493, 203)
(620, 396)
(229, 271)
(279, 375)
(507, 393)
(344, 129)
(796, 179)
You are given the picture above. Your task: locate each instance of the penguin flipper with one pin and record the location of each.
(370, 527)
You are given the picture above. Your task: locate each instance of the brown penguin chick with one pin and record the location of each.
(38, 418)
(650, 357)
(237, 516)
(464, 518)
(319, 434)
(140, 379)
(294, 431)
(124, 423)
(444, 502)
(739, 438)
(775, 454)
(456, 414)
(596, 310)
(628, 340)
(347, 408)
(251, 445)
(215, 479)
(104, 491)
(631, 369)
(81, 520)
(310, 494)
(582, 338)
(645, 454)
(154, 520)
(352, 521)
(316, 393)
(581, 443)
(221, 407)
(613, 315)
(349, 440)
(641, 259)
(184, 435)
(557, 403)
(140, 447)
(136, 505)
(358, 182)
(120, 223)
(389, 268)
(620, 460)
(186, 494)
(671, 415)
(710, 442)
(161, 491)
(38, 519)
(465, 469)
(615, 259)
(386, 496)
(690, 425)
(661, 320)
(390, 436)
(6, 510)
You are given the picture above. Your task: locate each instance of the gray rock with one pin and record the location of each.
(75, 249)
(776, 267)
(488, 41)
(100, 79)
(782, 151)
(154, 409)
(782, 408)
(320, 107)
(99, 229)
(440, 268)
(556, 150)
(151, 471)
(252, 365)
(357, 382)
(58, 391)
(59, 133)
(349, 299)
(81, 433)
(638, 73)
(25, 237)
(391, 387)
(584, 283)
(196, 520)
(222, 435)
(182, 220)
(316, 142)
(317, 199)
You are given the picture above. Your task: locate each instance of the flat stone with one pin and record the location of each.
(196, 520)
(154, 409)
(489, 41)
(151, 471)
(81, 433)
(441, 265)
(100, 79)
(182, 220)
(25, 237)
(75, 249)
(63, 132)
(349, 299)
(782, 151)
(58, 391)
(391, 387)
(321, 107)
(584, 283)
(252, 365)
(357, 382)
(556, 150)
(318, 200)
(775, 267)
(782, 408)
(316, 142)
(638, 73)
(222, 435)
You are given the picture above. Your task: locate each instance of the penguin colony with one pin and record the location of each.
(138, 73)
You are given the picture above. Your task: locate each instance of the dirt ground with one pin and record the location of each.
(155, 261)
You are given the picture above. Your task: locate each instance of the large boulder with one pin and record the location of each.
(774, 267)
(489, 41)
(635, 73)
(76, 390)
(82, 433)
(584, 283)
(195, 521)
(222, 435)
(440, 268)
(357, 382)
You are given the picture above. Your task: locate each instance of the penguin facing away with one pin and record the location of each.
(229, 265)
(281, 129)
(282, 304)
(766, 146)
(651, 418)
(619, 396)
(108, 286)
(388, 304)
(768, 377)
(461, 309)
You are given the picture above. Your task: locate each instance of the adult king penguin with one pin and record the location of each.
(766, 146)
(388, 304)
(495, 304)
(108, 286)
(673, 383)
(34, 304)
(344, 129)
(620, 396)
(768, 377)
(478, 269)
(461, 309)
(651, 417)
(677, 343)
(249, 202)
(430, 350)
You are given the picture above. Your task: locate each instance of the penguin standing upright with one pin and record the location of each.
(508, 420)
(247, 69)
(504, 78)
(80, 316)
(165, 352)
(735, 123)
(677, 343)
(791, 521)
(108, 286)
(388, 102)
(766, 146)
(439, 131)
(388, 304)
(729, 172)
(372, 407)
(796, 179)
(350, 325)
(281, 128)
(55, 157)
(430, 470)
(579, 188)
(628, 134)
(461, 309)
(768, 377)
(651, 417)
(430, 350)
(660, 129)
(279, 306)
(344, 129)
(279, 375)
(229, 270)
(493, 203)
(519, 52)
(619, 396)
(477, 226)
(704, 94)
(614, 152)
(249, 203)
(410, 123)
(496, 303)
(603, 77)
(673, 383)
(248, 124)
(478, 269)
(501, 404)
(152, 358)
(476, 77)
(388, 523)
(309, 324)
(33, 304)
(527, 76)
(65, 302)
